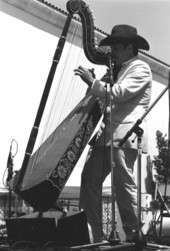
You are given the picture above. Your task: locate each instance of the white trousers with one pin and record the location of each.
(96, 169)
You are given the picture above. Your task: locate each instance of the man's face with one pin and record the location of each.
(121, 53)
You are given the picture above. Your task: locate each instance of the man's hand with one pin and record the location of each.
(86, 75)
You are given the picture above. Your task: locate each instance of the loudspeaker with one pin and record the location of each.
(56, 228)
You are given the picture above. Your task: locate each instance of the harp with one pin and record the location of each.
(44, 173)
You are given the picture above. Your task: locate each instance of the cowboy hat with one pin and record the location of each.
(125, 33)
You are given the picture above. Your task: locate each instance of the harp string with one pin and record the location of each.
(57, 113)
(68, 86)
(68, 92)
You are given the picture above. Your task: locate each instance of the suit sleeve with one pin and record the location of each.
(130, 83)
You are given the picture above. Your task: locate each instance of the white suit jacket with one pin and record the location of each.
(130, 99)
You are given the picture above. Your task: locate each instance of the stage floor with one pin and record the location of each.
(90, 247)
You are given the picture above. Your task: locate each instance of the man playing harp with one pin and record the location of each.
(130, 98)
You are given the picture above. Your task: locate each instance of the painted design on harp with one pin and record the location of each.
(94, 54)
(58, 132)
(71, 156)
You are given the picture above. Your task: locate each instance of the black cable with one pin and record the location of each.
(24, 243)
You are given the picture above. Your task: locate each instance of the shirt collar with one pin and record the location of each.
(129, 61)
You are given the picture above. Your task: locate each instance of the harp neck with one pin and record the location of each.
(93, 53)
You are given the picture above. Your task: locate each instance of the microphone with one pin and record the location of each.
(10, 165)
(10, 162)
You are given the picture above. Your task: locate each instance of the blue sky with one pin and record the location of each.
(150, 17)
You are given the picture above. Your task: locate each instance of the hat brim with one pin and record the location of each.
(114, 38)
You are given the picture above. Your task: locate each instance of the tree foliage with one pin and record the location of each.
(162, 160)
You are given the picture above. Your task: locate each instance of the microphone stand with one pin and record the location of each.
(139, 237)
(10, 165)
(114, 237)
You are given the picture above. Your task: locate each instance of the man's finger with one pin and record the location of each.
(79, 71)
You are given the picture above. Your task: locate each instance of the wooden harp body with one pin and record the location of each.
(52, 164)
(49, 168)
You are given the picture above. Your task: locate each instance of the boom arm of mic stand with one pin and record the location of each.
(139, 121)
